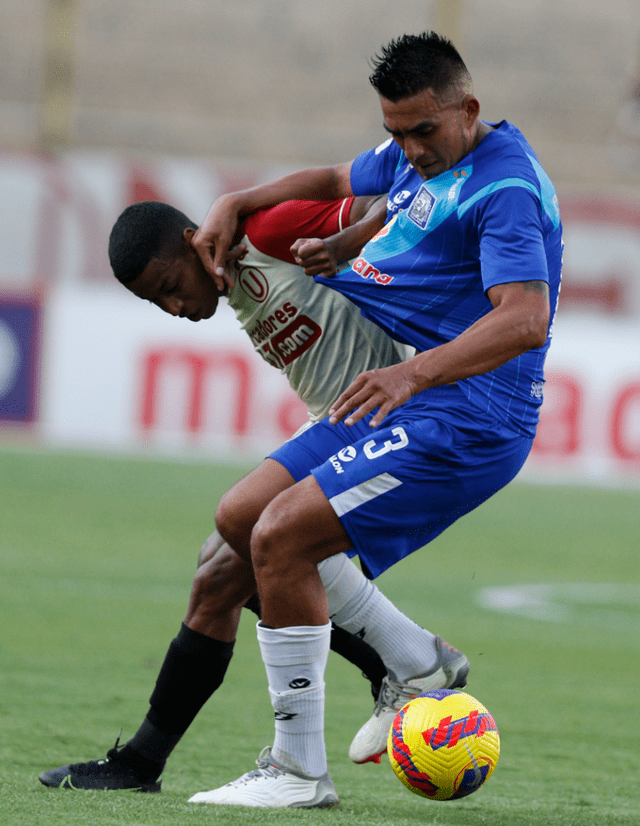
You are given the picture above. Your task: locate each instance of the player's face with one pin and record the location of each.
(180, 286)
(434, 134)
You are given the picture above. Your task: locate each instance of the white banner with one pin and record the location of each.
(590, 420)
(119, 373)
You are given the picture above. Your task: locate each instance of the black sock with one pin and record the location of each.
(361, 654)
(193, 669)
(159, 744)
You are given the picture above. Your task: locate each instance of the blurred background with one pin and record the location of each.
(104, 102)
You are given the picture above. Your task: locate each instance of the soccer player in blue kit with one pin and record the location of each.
(468, 272)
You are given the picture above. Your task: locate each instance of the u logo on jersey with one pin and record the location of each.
(254, 283)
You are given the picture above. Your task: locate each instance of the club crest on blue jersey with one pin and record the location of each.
(421, 207)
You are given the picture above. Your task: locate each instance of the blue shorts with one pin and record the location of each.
(399, 486)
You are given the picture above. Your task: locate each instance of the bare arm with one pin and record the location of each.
(322, 256)
(215, 235)
(517, 323)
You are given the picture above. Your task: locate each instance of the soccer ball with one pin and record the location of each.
(443, 744)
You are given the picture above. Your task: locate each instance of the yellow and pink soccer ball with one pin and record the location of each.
(443, 744)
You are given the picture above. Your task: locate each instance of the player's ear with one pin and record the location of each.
(471, 107)
(187, 236)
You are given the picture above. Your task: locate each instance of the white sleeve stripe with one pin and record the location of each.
(341, 223)
(361, 494)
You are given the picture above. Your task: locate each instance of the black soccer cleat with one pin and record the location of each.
(110, 773)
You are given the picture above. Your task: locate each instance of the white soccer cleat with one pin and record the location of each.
(450, 671)
(272, 786)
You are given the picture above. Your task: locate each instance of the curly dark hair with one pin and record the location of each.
(144, 231)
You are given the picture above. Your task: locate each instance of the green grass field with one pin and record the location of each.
(97, 556)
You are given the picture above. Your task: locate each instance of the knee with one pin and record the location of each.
(271, 548)
(234, 522)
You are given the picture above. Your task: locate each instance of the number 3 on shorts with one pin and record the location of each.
(389, 444)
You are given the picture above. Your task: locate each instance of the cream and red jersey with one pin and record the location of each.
(315, 336)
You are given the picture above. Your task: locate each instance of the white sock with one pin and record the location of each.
(295, 660)
(358, 606)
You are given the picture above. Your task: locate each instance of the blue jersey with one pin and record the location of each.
(491, 219)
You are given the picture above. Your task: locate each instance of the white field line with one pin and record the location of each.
(563, 602)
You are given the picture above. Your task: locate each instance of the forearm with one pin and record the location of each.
(318, 184)
(492, 341)
(216, 233)
(323, 257)
(348, 243)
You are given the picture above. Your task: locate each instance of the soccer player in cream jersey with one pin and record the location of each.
(321, 342)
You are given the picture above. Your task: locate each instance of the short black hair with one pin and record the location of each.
(414, 62)
(144, 231)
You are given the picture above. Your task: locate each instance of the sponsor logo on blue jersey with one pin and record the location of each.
(395, 203)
